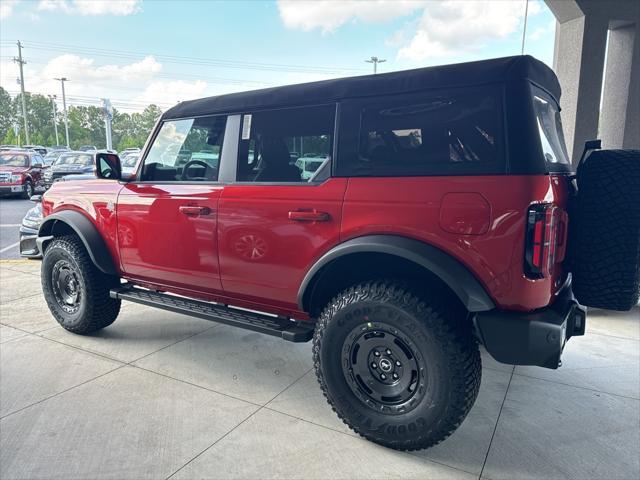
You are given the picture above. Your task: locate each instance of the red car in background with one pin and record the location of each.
(20, 172)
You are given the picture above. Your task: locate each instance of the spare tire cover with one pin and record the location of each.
(605, 230)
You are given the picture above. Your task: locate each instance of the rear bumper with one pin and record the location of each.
(533, 338)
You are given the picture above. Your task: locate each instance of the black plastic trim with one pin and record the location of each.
(532, 338)
(87, 232)
(453, 273)
(257, 322)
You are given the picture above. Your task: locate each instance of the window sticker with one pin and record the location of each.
(246, 127)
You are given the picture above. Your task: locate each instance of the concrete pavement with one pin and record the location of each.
(159, 395)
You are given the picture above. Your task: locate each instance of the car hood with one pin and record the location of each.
(14, 170)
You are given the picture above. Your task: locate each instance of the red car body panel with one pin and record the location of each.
(264, 254)
(248, 252)
(95, 199)
(164, 240)
(413, 206)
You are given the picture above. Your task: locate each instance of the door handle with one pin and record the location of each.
(309, 216)
(192, 210)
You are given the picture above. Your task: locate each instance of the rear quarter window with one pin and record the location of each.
(440, 133)
(550, 130)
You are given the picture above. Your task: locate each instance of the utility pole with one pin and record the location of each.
(108, 115)
(55, 123)
(64, 106)
(21, 62)
(375, 61)
(524, 30)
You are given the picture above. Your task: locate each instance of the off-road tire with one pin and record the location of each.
(28, 190)
(443, 340)
(606, 230)
(95, 309)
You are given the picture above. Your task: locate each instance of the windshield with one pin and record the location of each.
(82, 159)
(550, 129)
(14, 160)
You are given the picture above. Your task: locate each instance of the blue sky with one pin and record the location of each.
(136, 52)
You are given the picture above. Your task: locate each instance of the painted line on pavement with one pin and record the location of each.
(9, 224)
(9, 247)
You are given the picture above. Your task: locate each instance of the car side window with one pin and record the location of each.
(285, 146)
(186, 150)
(36, 160)
(432, 134)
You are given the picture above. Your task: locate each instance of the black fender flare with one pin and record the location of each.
(88, 233)
(451, 271)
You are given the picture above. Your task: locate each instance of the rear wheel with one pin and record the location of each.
(605, 235)
(76, 292)
(397, 367)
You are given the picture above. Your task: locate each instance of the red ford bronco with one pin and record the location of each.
(443, 213)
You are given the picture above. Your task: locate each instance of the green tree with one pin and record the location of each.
(7, 113)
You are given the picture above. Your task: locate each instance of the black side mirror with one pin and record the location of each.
(108, 166)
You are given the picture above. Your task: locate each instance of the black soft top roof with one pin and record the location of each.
(497, 70)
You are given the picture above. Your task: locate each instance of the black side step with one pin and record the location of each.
(276, 326)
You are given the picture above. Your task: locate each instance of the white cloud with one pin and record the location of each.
(6, 8)
(444, 28)
(172, 91)
(92, 7)
(542, 31)
(459, 26)
(328, 15)
(88, 82)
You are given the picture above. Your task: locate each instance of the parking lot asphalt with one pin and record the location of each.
(161, 395)
(12, 210)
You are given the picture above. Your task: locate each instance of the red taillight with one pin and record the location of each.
(546, 227)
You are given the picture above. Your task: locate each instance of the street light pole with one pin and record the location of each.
(375, 61)
(64, 106)
(21, 62)
(55, 124)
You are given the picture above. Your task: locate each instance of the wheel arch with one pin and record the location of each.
(70, 221)
(408, 254)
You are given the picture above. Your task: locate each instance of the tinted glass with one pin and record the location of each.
(276, 145)
(550, 129)
(186, 151)
(427, 135)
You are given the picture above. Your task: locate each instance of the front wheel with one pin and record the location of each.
(28, 190)
(76, 292)
(397, 367)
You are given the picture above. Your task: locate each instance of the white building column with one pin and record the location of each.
(620, 114)
(579, 63)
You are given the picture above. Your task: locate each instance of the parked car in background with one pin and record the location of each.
(60, 147)
(70, 163)
(129, 161)
(9, 147)
(309, 165)
(129, 150)
(29, 229)
(52, 156)
(38, 148)
(88, 148)
(21, 172)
